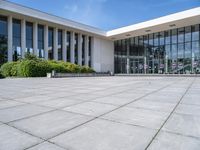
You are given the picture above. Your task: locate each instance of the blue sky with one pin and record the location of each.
(110, 14)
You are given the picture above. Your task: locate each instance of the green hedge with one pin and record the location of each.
(35, 67)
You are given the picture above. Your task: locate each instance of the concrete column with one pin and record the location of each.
(72, 36)
(128, 60)
(46, 42)
(145, 65)
(10, 39)
(55, 44)
(92, 52)
(64, 48)
(166, 64)
(80, 40)
(23, 37)
(35, 38)
(86, 50)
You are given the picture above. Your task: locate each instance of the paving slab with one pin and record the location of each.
(58, 103)
(13, 139)
(90, 108)
(153, 105)
(50, 124)
(105, 135)
(188, 109)
(36, 98)
(46, 146)
(188, 125)
(113, 100)
(140, 117)
(22, 111)
(9, 103)
(169, 141)
(192, 99)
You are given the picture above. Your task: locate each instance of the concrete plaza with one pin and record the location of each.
(102, 113)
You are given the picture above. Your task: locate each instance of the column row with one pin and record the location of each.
(47, 42)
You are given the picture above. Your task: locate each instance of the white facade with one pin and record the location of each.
(101, 46)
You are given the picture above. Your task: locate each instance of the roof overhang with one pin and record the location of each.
(181, 19)
(7, 7)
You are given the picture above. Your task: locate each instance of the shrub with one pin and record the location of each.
(85, 69)
(32, 68)
(9, 69)
(57, 66)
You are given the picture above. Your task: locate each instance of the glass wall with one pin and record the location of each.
(40, 52)
(17, 51)
(3, 40)
(50, 43)
(175, 51)
(29, 37)
(60, 45)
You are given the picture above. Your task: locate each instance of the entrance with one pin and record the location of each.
(137, 65)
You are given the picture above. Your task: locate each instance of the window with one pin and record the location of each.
(29, 37)
(17, 52)
(68, 46)
(60, 45)
(167, 37)
(180, 35)
(40, 52)
(174, 35)
(188, 34)
(83, 49)
(195, 32)
(50, 43)
(90, 50)
(76, 48)
(3, 40)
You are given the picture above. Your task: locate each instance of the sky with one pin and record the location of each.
(110, 14)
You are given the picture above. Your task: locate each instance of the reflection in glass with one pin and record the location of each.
(3, 40)
(17, 51)
(172, 51)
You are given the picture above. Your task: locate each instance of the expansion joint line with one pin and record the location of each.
(190, 85)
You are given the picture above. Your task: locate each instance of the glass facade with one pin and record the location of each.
(40, 52)
(175, 51)
(17, 51)
(3, 40)
(60, 45)
(50, 43)
(29, 37)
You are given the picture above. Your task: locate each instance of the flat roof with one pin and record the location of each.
(180, 19)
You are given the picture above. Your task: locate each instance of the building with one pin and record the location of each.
(170, 44)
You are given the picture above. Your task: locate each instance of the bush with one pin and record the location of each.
(9, 69)
(85, 69)
(32, 66)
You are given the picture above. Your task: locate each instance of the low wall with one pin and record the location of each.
(65, 75)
